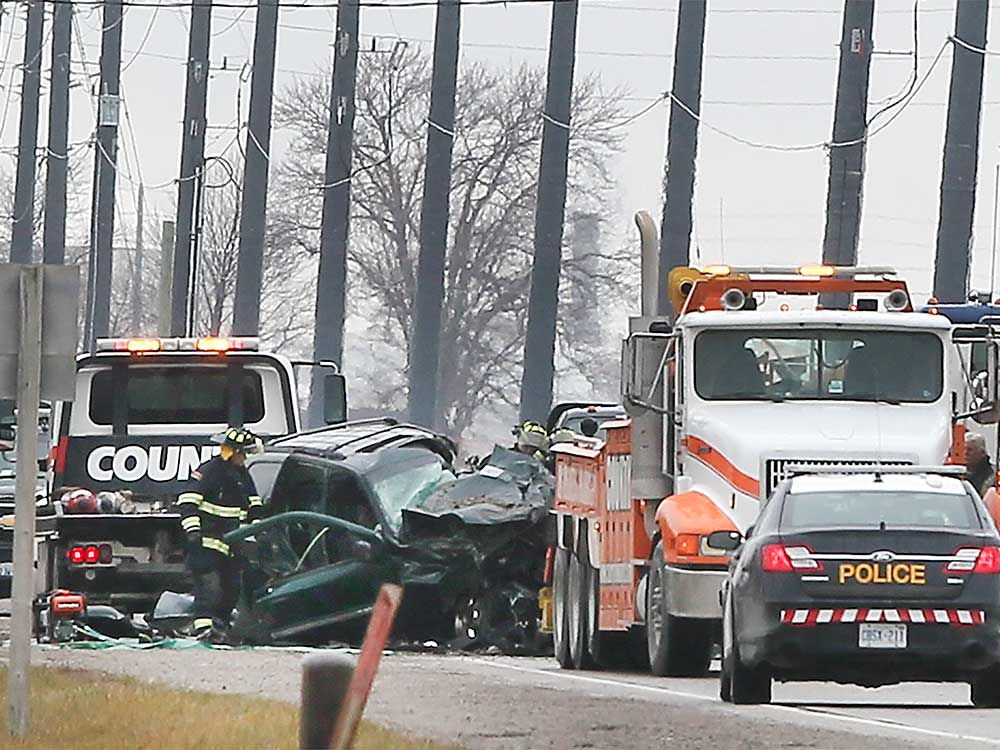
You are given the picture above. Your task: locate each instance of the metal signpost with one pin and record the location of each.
(37, 360)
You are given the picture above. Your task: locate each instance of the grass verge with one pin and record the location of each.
(84, 710)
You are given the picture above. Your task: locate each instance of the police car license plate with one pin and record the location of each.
(6, 570)
(881, 636)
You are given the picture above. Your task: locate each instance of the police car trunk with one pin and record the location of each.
(142, 420)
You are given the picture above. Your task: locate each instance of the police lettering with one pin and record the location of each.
(159, 463)
(897, 573)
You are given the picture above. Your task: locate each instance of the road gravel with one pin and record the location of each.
(518, 703)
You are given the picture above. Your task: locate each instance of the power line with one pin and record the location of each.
(820, 144)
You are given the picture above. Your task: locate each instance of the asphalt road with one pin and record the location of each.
(521, 703)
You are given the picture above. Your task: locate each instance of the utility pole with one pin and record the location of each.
(682, 144)
(543, 300)
(57, 158)
(253, 211)
(166, 278)
(192, 164)
(850, 125)
(138, 298)
(22, 236)
(105, 173)
(425, 341)
(961, 153)
(331, 283)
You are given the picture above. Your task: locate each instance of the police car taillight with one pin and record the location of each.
(777, 558)
(976, 560)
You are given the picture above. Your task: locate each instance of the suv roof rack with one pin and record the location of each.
(364, 436)
(803, 469)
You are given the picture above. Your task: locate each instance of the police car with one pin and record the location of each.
(870, 578)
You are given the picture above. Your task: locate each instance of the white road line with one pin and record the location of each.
(598, 681)
(800, 711)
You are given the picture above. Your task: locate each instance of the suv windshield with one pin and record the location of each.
(833, 365)
(824, 510)
(406, 480)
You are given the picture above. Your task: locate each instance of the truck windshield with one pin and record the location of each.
(816, 510)
(175, 395)
(834, 365)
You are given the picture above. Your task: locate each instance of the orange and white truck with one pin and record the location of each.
(751, 377)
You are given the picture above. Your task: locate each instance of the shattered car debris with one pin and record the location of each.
(468, 550)
(353, 507)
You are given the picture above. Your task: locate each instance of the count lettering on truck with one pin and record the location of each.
(143, 420)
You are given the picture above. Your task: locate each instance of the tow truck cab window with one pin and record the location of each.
(175, 395)
(829, 365)
(867, 510)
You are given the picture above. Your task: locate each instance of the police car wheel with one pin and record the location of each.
(560, 589)
(986, 689)
(747, 686)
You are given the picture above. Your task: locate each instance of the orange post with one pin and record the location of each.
(379, 627)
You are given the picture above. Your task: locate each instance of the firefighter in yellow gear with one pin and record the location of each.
(221, 499)
(532, 440)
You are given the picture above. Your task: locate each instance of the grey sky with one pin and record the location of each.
(771, 202)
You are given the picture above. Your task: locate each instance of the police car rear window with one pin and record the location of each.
(175, 395)
(813, 510)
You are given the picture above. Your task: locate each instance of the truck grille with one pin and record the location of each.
(776, 469)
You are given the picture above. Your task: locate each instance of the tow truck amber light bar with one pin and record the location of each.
(812, 270)
(203, 344)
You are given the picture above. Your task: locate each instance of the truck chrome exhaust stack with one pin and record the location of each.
(649, 239)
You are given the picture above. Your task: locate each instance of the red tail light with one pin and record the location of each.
(989, 561)
(778, 558)
(774, 559)
(976, 560)
(91, 554)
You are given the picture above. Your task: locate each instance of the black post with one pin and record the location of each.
(543, 300)
(331, 283)
(850, 123)
(192, 161)
(961, 154)
(253, 209)
(57, 158)
(139, 300)
(425, 340)
(105, 161)
(22, 236)
(682, 144)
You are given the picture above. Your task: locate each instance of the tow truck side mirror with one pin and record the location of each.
(334, 399)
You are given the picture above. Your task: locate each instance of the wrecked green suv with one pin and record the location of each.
(468, 550)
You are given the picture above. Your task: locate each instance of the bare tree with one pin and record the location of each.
(497, 140)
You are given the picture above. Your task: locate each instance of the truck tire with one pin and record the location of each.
(576, 613)
(560, 589)
(677, 646)
(592, 604)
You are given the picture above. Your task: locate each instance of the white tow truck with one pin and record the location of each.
(143, 419)
(746, 382)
